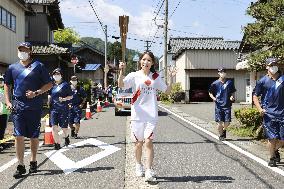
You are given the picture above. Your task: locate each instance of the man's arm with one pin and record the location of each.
(43, 89)
(7, 96)
(257, 104)
(212, 97)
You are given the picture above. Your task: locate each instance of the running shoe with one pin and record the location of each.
(272, 162)
(67, 141)
(139, 170)
(33, 167)
(20, 171)
(277, 156)
(150, 175)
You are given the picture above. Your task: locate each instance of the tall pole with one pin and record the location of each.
(105, 28)
(166, 40)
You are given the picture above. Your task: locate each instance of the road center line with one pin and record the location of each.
(246, 153)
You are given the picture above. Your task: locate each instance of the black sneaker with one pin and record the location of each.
(73, 133)
(33, 167)
(67, 141)
(221, 137)
(272, 162)
(277, 156)
(57, 146)
(76, 136)
(20, 171)
(224, 133)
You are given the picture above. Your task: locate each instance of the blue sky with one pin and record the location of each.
(191, 18)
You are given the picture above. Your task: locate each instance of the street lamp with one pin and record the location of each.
(106, 69)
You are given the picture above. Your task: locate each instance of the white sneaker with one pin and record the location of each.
(149, 175)
(139, 170)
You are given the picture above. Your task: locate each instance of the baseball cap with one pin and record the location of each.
(270, 61)
(1, 78)
(57, 70)
(25, 44)
(74, 77)
(221, 69)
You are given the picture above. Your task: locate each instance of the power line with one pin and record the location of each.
(175, 9)
(97, 17)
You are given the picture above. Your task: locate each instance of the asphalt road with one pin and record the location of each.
(184, 158)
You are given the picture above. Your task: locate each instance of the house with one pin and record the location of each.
(12, 30)
(94, 60)
(42, 19)
(197, 60)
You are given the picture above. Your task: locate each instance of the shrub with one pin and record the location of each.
(250, 120)
(177, 94)
(86, 84)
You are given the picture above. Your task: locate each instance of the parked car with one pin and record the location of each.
(122, 101)
(199, 96)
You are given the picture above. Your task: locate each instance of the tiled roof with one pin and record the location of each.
(178, 45)
(49, 49)
(40, 1)
(91, 67)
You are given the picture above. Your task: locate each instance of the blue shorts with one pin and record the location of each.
(222, 114)
(27, 123)
(59, 117)
(75, 114)
(273, 127)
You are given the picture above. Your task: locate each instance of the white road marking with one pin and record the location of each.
(68, 166)
(15, 160)
(248, 154)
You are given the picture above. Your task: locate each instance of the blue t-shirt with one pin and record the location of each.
(23, 78)
(62, 90)
(78, 95)
(262, 86)
(272, 95)
(222, 93)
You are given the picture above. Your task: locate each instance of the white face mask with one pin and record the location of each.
(222, 74)
(57, 77)
(74, 82)
(273, 69)
(23, 56)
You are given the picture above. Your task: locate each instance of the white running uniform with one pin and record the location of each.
(144, 107)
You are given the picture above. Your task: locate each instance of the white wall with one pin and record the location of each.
(8, 38)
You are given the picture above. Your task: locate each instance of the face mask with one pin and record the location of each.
(74, 82)
(222, 74)
(273, 69)
(23, 56)
(57, 77)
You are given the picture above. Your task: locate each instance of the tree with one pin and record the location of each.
(266, 35)
(67, 35)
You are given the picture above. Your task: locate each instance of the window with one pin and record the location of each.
(13, 23)
(4, 17)
(7, 19)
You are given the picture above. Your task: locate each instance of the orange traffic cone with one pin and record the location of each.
(106, 102)
(48, 138)
(99, 107)
(88, 111)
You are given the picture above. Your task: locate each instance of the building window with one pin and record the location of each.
(4, 17)
(7, 19)
(13, 23)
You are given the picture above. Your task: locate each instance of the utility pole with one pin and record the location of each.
(106, 66)
(166, 40)
(147, 45)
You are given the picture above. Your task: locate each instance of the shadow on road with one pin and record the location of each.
(197, 179)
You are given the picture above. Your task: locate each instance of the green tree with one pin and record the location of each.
(266, 34)
(67, 35)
